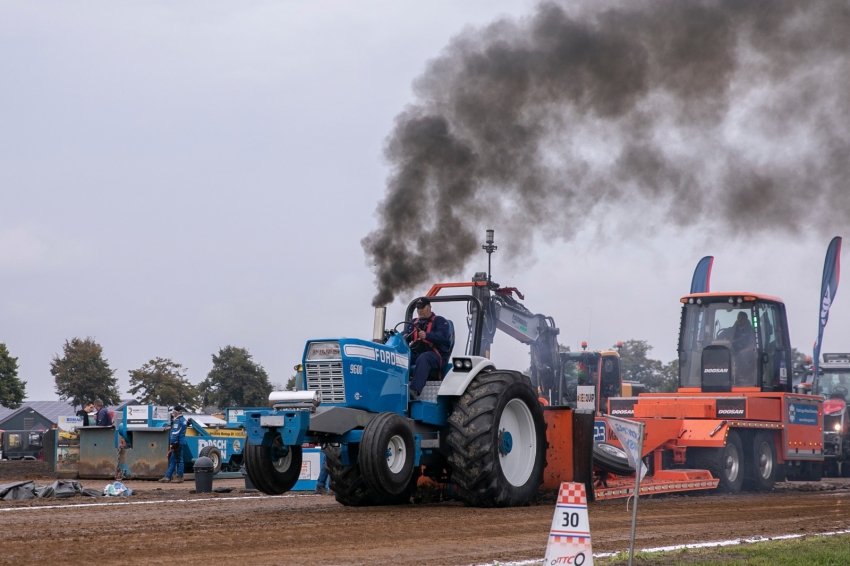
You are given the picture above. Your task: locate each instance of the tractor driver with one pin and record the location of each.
(429, 338)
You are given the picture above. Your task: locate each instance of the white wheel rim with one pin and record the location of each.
(765, 461)
(613, 451)
(518, 464)
(282, 464)
(733, 463)
(396, 454)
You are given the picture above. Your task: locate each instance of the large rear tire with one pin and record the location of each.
(273, 470)
(497, 441)
(387, 454)
(349, 487)
(761, 465)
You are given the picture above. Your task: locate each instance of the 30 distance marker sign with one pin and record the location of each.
(569, 537)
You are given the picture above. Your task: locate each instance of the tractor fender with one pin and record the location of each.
(456, 382)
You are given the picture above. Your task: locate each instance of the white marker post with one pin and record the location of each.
(630, 435)
(569, 536)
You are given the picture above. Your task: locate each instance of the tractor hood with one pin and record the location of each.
(833, 406)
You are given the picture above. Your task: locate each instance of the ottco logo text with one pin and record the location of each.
(576, 560)
(220, 444)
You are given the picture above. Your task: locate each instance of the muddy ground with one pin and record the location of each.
(166, 524)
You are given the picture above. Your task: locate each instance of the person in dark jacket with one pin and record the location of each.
(429, 338)
(103, 417)
(84, 413)
(177, 442)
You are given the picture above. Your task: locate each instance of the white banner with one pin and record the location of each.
(630, 435)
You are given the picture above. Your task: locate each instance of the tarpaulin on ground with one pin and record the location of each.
(28, 490)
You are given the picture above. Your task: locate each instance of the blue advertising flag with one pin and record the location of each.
(702, 275)
(828, 289)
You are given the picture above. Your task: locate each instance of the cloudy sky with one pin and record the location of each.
(177, 177)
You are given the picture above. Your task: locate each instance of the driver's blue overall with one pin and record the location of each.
(432, 353)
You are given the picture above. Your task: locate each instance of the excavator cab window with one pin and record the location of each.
(610, 384)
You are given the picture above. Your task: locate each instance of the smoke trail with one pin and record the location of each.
(730, 114)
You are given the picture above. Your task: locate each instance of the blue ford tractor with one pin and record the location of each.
(477, 427)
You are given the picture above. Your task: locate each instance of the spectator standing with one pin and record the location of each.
(103, 417)
(84, 413)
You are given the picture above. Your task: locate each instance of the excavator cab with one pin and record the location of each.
(733, 341)
(601, 369)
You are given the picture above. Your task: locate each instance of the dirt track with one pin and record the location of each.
(160, 522)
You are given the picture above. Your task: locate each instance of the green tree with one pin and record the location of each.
(235, 380)
(82, 374)
(12, 389)
(669, 377)
(163, 382)
(636, 365)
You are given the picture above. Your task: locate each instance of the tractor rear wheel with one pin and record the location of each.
(387, 454)
(349, 487)
(497, 441)
(762, 467)
(726, 464)
(214, 454)
(273, 470)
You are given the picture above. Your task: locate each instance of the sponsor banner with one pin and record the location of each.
(630, 435)
(137, 416)
(829, 287)
(730, 408)
(701, 281)
(569, 536)
(586, 398)
(599, 431)
(622, 406)
(68, 445)
(311, 465)
(161, 413)
(801, 414)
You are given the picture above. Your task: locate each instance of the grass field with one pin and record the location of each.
(814, 551)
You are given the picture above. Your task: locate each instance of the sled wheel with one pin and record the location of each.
(725, 463)
(612, 459)
(761, 475)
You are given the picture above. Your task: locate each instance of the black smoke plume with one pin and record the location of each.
(732, 115)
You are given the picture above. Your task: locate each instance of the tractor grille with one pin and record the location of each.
(327, 378)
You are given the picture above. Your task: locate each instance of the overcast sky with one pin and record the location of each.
(178, 177)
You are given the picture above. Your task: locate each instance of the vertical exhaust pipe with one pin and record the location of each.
(380, 321)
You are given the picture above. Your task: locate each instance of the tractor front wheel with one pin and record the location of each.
(349, 487)
(497, 441)
(387, 454)
(273, 470)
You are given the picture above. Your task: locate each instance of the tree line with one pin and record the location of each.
(82, 374)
